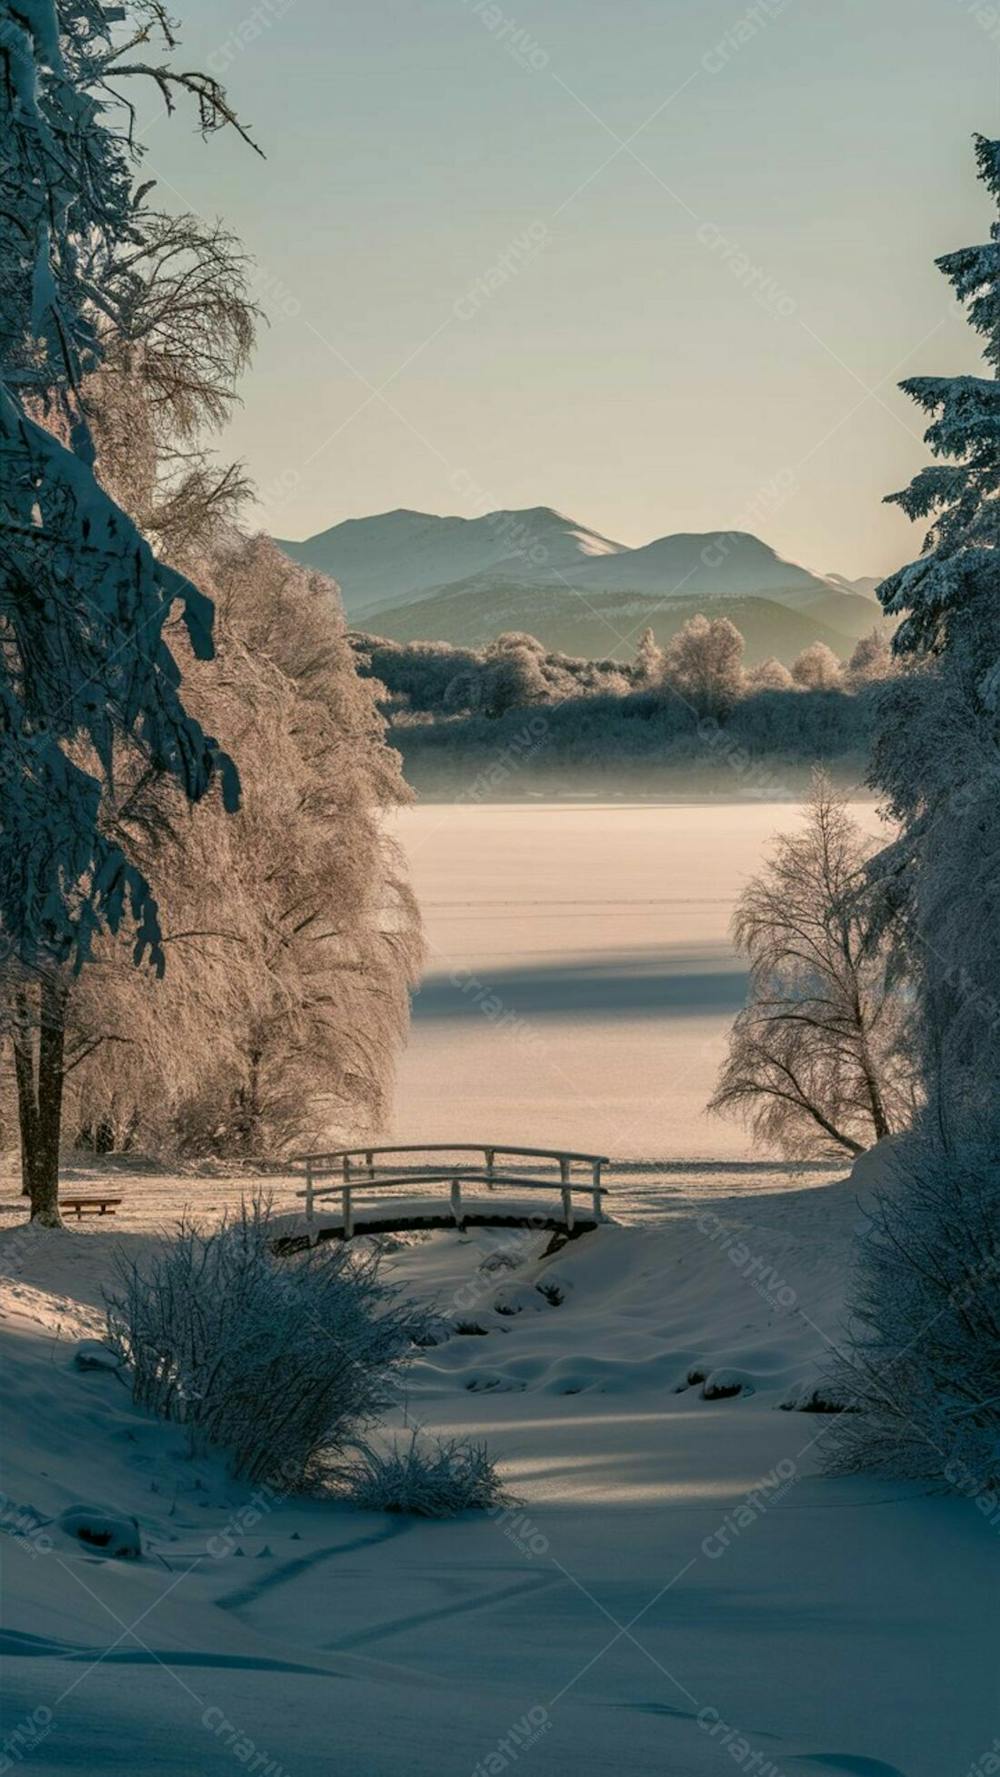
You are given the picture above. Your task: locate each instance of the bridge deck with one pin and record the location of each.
(401, 1218)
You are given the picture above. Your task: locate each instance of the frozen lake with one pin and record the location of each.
(580, 979)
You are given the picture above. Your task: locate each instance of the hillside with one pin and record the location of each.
(700, 564)
(417, 576)
(596, 624)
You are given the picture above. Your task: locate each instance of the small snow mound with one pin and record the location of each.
(94, 1354)
(720, 1385)
(516, 1298)
(499, 1261)
(815, 1397)
(111, 1533)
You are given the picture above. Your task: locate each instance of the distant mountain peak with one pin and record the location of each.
(390, 556)
(392, 559)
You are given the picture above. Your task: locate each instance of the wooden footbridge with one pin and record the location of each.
(414, 1176)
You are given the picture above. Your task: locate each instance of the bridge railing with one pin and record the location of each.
(366, 1168)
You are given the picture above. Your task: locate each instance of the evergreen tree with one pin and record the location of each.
(84, 668)
(947, 599)
(919, 1365)
(936, 752)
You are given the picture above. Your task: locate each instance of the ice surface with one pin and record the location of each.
(580, 979)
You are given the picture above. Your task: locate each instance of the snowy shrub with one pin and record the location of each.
(429, 1477)
(283, 1362)
(920, 1366)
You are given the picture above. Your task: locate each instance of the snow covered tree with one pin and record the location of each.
(176, 328)
(946, 599)
(817, 669)
(513, 676)
(647, 667)
(309, 965)
(769, 675)
(84, 669)
(816, 1059)
(936, 755)
(703, 663)
(871, 660)
(282, 1010)
(919, 1365)
(283, 1007)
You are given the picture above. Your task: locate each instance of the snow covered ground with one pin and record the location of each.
(679, 1591)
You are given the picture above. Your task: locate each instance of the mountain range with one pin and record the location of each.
(414, 576)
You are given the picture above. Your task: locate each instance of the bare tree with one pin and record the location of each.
(816, 1060)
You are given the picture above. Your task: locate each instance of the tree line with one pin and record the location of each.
(702, 666)
(514, 715)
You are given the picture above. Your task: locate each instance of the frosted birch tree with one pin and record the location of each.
(816, 1059)
(703, 664)
(817, 668)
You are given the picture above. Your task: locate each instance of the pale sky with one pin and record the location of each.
(658, 265)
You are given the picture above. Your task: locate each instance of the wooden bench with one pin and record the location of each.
(90, 1206)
